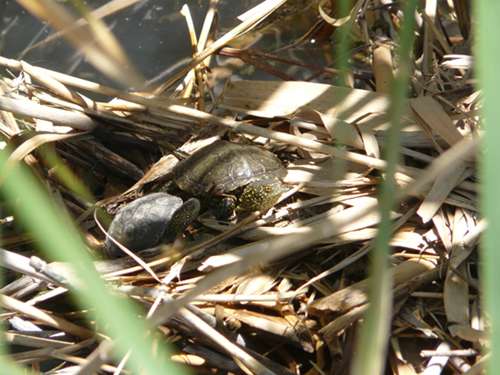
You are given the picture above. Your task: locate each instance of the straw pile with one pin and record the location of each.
(284, 292)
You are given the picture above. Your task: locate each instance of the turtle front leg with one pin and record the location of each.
(226, 204)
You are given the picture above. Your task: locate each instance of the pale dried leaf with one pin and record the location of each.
(332, 171)
(409, 240)
(283, 99)
(465, 245)
(456, 297)
(332, 21)
(338, 129)
(464, 222)
(370, 142)
(271, 324)
(410, 136)
(430, 115)
(349, 22)
(382, 67)
(34, 341)
(353, 236)
(334, 327)
(345, 221)
(442, 228)
(256, 284)
(354, 295)
(413, 318)
(437, 364)
(467, 333)
(452, 199)
(441, 188)
(399, 364)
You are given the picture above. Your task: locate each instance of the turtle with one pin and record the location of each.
(232, 176)
(149, 220)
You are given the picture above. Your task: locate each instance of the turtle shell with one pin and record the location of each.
(140, 224)
(225, 166)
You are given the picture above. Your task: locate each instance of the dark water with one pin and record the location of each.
(154, 35)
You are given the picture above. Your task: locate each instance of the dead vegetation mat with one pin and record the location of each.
(282, 291)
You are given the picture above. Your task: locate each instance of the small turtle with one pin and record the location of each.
(233, 175)
(149, 220)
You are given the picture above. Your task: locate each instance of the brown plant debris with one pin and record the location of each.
(282, 291)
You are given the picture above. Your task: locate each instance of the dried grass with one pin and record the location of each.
(285, 291)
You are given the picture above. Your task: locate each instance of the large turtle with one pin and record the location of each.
(154, 218)
(232, 176)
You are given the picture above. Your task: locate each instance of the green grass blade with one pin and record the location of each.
(488, 55)
(59, 240)
(371, 356)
